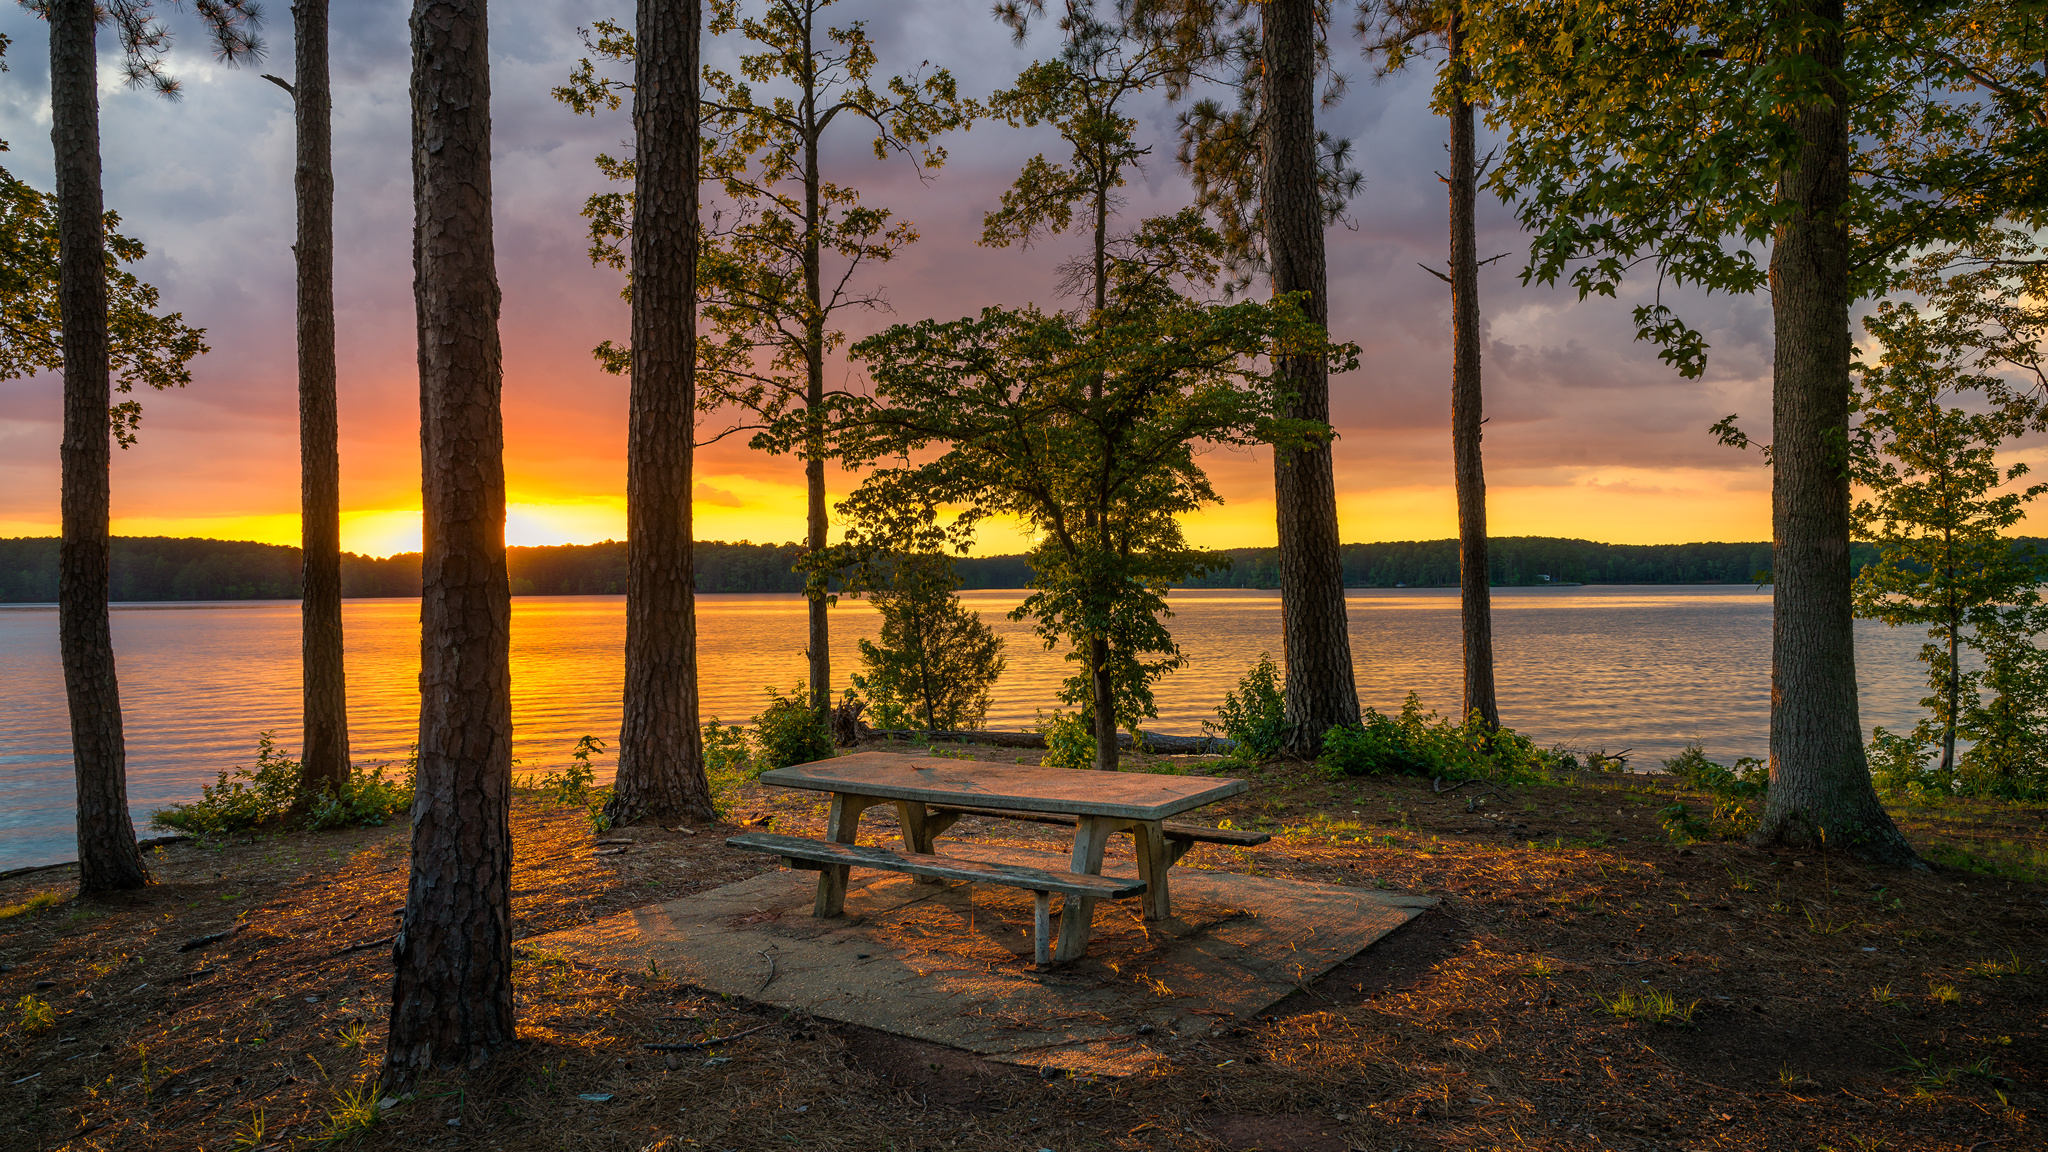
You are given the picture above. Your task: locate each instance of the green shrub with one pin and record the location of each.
(727, 765)
(789, 731)
(252, 797)
(269, 792)
(1069, 740)
(1255, 715)
(572, 784)
(369, 798)
(1425, 744)
(1749, 776)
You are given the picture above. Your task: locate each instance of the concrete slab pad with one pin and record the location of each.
(952, 963)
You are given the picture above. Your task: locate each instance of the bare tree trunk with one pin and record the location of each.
(324, 689)
(452, 993)
(1321, 691)
(107, 856)
(1475, 577)
(661, 748)
(1820, 791)
(1953, 689)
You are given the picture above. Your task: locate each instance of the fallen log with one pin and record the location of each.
(1157, 742)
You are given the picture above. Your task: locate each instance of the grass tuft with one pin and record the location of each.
(2012, 965)
(35, 903)
(1651, 1007)
(355, 1111)
(36, 1014)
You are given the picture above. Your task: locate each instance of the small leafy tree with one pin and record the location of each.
(1086, 428)
(1939, 507)
(936, 661)
(2007, 720)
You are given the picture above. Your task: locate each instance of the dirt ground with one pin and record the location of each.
(1814, 1003)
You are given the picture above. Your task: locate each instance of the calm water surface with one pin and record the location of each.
(1641, 667)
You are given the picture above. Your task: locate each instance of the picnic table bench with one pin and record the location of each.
(931, 794)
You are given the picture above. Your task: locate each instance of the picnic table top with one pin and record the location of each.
(939, 780)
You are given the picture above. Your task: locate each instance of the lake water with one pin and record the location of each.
(1646, 668)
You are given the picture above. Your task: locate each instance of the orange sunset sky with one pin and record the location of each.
(1589, 435)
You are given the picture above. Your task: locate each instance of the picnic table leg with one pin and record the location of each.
(839, 829)
(918, 832)
(1041, 929)
(1153, 862)
(1077, 913)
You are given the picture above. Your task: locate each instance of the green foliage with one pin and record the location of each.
(1748, 777)
(35, 1014)
(1657, 132)
(1255, 714)
(1681, 825)
(1936, 407)
(253, 797)
(143, 347)
(1087, 429)
(1081, 96)
(765, 317)
(789, 731)
(936, 661)
(572, 785)
(270, 792)
(1425, 744)
(1069, 739)
(727, 764)
(368, 799)
(2006, 721)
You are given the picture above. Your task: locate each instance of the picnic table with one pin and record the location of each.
(931, 793)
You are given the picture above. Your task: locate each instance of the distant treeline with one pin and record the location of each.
(161, 568)
(1524, 560)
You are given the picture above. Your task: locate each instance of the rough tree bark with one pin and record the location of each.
(1321, 691)
(1821, 793)
(1475, 577)
(324, 692)
(452, 992)
(819, 642)
(661, 749)
(108, 858)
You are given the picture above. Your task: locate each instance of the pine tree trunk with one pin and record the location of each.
(107, 856)
(452, 991)
(323, 763)
(1821, 793)
(819, 641)
(661, 748)
(1321, 691)
(819, 648)
(1475, 593)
